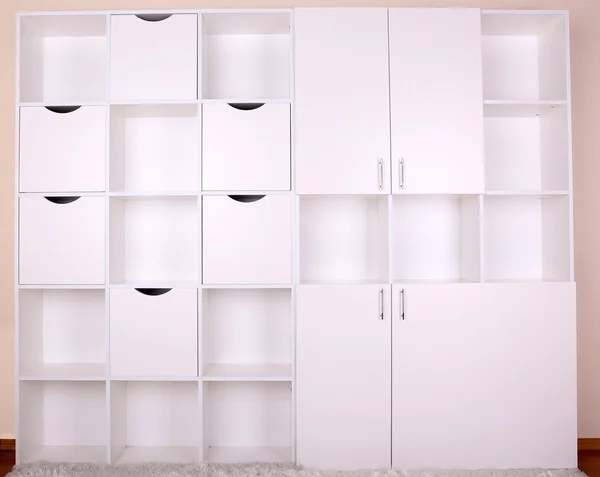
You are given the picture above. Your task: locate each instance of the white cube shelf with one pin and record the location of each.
(154, 332)
(155, 148)
(63, 58)
(527, 238)
(247, 239)
(247, 334)
(154, 239)
(155, 421)
(246, 146)
(62, 334)
(524, 56)
(343, 239)
(436, 238)
(62, 149)
(247, 422)
(246, 55)
(154, 57)
(62, 421)
(62, 240)
(527, 148)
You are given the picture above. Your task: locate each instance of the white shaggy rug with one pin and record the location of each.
(262, 470)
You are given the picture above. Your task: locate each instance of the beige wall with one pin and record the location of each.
(585, 64)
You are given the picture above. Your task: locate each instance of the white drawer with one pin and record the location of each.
(247, 241)
(154, 332)
(154, 57)
(61, 240)
(62, 149)
(246, 147)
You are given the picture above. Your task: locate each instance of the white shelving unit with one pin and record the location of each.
(278, 234)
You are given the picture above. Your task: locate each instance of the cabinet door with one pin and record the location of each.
(62, 149)
(153, 332)
(246, 147)
(342, 101)
(61, 240)
(343, 376)
(154, 56)
(484, 376)
(436, 100)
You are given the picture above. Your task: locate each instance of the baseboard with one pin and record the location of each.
(7, 445)
(589, 444)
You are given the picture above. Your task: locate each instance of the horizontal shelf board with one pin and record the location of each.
(524, 280)
(80, 454)
(247, 192)
(424, 281)
(159, 194)
(520, 109)
(246, 100)
(166, 379)
(66, 372)
(133, 12)
(344, 282)
(154, 284)
(135, 455)
(248, 372)
(154, 102)
(62, 194)
(246, 286)
(527, 192)
(62, 287)
(38, 104)
(232, 455)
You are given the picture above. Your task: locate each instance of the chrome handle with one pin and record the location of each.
(402, 304)
(401, 173)
(380, 174)
(381, 303)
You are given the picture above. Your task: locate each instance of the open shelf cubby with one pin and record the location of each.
(526, 147)
(62, 421)
(524, 56)
(155, 148)
(246, 55)
(247, 422)
(62, 334)
(527, 238)
(436, 238)
(343, 239)
(154, 240)
(63, 58)
(155, 421)
(247, 334)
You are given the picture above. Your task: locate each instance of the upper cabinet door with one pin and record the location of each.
(343, 375)
(436, 100)
(342, 101)
(484, 376)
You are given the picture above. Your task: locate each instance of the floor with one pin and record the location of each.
(589, 462)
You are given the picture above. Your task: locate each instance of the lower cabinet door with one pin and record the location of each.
(154, 332)
(484, 376)
(343, 376)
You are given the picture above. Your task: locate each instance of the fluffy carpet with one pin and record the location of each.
(262, 470)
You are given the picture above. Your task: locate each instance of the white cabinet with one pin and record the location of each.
(436, 100)
(153, 332)
(484, 376)
(342, 101)
(247, 239)
(154, 56)
(246, 146)
(62, 149)
(343, 376)
(61, 240)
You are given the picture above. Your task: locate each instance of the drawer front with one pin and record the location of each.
(154, 332)
(247, 240)
(62, 243)
(62, 149)
(246, 147)
(154, 58)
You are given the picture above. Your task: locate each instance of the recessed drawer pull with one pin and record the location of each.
(62, 109)
(246, 198)
(153, 291)
(62, 200)
(246, 106)
(154, 17)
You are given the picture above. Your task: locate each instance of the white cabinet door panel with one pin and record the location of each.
(436, 100)
(343, 376)
(342, 101)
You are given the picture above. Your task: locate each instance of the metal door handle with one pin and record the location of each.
(381, 303)
(401, 173)
(402, 304)
(380, 173)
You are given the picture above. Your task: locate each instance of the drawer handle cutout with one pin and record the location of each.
(154, 17)
(62, 200)
(153, 291)
(62, 109)
(246, 198)
(246, 106)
